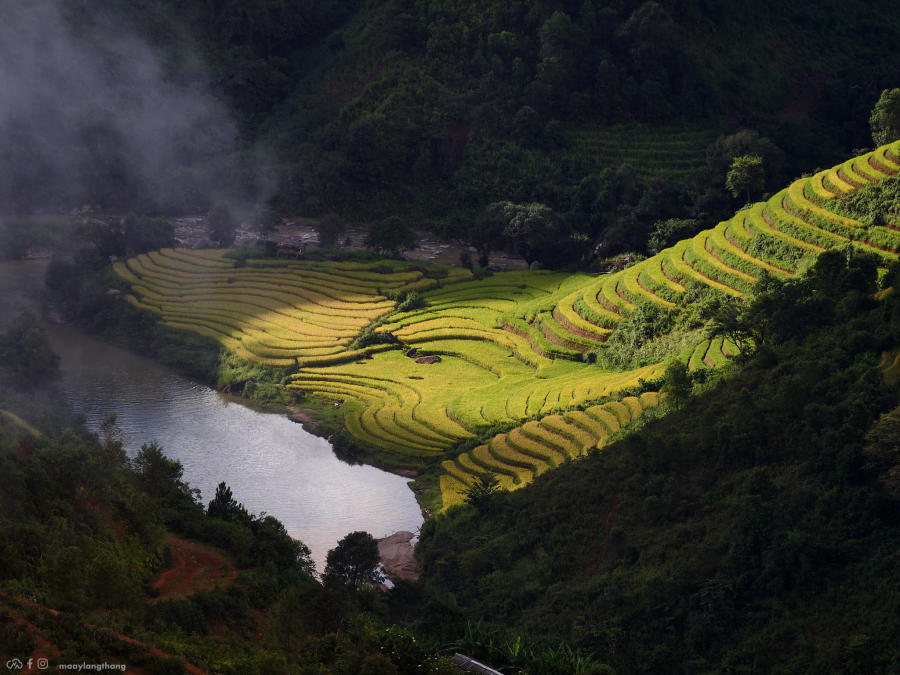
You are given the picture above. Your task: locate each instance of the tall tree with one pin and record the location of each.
(746, 174)
(355, 560)
(885, 119)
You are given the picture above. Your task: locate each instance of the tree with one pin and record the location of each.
(746, 174)
(885, 118)
(144, 234)
(162, 478)
(355, 560)
(882, 452)
(391, 236)
(331, 229)
(112, 438)
(486, 232)
(225, 506)
(730, 322)
(677, 383)
(534, 230)
(221, 226)
(26, 353)
(480, 493)
(668, 232)
(721, 153)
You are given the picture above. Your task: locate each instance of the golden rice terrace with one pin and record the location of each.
(510, 347)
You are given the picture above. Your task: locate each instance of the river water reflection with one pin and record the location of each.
(270, 463)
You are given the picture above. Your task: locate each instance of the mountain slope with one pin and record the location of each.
(751, 530)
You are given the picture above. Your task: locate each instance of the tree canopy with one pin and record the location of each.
(355, 560)
(885, 118)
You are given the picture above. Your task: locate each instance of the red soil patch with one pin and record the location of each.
(195, 568)
(43, 648)
(51, 650)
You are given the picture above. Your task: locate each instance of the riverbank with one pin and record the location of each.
(270, 462)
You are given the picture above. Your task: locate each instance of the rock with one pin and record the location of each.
(428, 360)
(396, 552)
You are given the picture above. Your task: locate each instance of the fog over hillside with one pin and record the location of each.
(91, 113)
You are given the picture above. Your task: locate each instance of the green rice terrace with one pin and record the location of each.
(648, 151)
(424, 360)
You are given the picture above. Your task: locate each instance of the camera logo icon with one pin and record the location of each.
(43, 663)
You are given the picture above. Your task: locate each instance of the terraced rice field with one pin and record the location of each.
(780, 237)
(648, 152)
(501, 350)
(278, 313)
(517, 457)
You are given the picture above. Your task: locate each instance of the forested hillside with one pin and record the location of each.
(110, 559)
(669, 445)
(754, 529)
(614, 116)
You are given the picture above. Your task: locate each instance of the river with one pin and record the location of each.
(271, 463)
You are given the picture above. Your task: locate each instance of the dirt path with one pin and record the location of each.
(45, 648)
(195, 568)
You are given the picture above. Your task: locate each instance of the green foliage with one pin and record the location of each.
(533, 230)
(163, 480)
(480, 493)
(875, 204)
(225, 507)
(331, 229)
(221, 226)
(677, 384)
(242, 253)
(20, 234)
(726, 513)
(882, 452)
(746, 174)
(665, 233)
(390, 237)
(406, 300)
(355, 561)
(885, 118)
(141, 234)
(369, 336)
(25, 349)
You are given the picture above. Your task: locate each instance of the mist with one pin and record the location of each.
(92, 115)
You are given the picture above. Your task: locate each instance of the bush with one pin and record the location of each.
(391, 236)
(331, 229)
